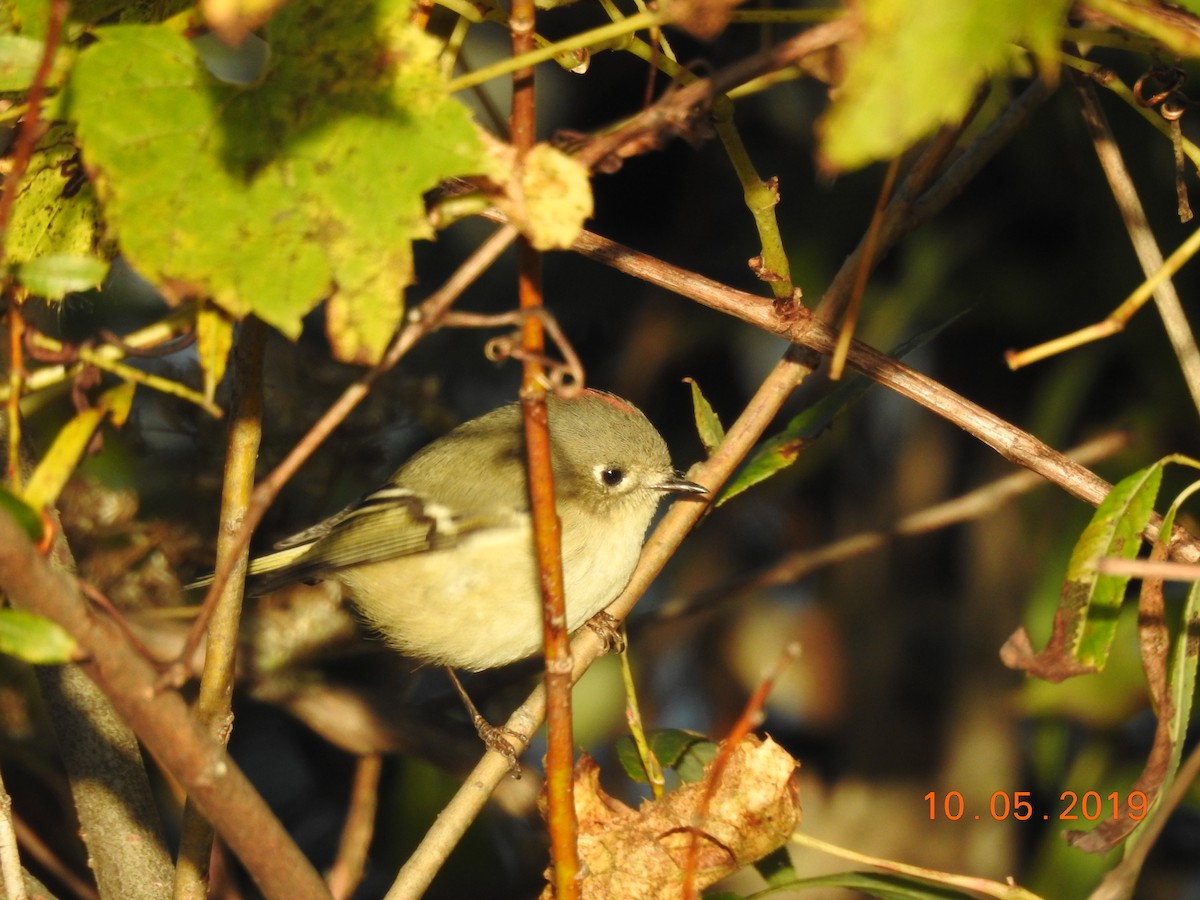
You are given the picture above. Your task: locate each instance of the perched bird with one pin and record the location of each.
(440, 559)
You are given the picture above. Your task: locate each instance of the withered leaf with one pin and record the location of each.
(640, 854)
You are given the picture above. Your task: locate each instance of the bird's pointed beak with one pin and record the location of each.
(677, 484)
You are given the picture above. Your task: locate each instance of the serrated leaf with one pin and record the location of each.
(25, 515)
(708, 423)
(59, 274)
(35, 639)
(54, 211)
(269, 198)
(70, 443)
(919, 66)
(1092, 599)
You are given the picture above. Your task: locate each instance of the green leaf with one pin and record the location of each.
(269, 198)
(20, 57)
(25, 515)
(59, 274)
(920, 65)
(781, 450)
(1089, 599)
(70, 443)
(685, 751)
(55, 210)
(35, 639)
(708, 424)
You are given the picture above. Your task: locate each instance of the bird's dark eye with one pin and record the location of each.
(611, 476)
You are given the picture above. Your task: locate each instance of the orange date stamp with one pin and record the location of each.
(1090, 806)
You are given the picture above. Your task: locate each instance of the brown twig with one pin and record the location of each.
(162, 721)
(566, 377)
(347, 870)
(1006, 439)
(866, 263)
(48, 858)
(10, 860)
(560, 749)
(919, 197)
(30, 131)
(27, 138)
(678, 112)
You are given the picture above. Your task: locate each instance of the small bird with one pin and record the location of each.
(440, 559)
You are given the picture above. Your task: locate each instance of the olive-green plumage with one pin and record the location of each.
(440, 559)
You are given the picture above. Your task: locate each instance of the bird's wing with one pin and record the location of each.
(387, 523)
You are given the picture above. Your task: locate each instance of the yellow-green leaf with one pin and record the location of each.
(708, 424)
(71, 442)
(55, 210)
(920, 64)
(214, 338)
(59, 274)
(36, 639)
(268, 198)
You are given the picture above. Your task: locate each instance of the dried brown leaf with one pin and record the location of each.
(639, 854)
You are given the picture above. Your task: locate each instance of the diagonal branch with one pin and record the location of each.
(162, 721)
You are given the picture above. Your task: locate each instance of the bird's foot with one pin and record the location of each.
(609, 630)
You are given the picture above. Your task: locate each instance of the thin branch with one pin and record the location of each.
(676, 112)
(997, 889)
(347, 870)
(750, 718)
(970, 506)
(30, 131)
(213, 705)
(50, 861)
(1005, 438)
(919, 198)
(547, 535)
(28, 135)
(1157, 273)
(162, 721)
